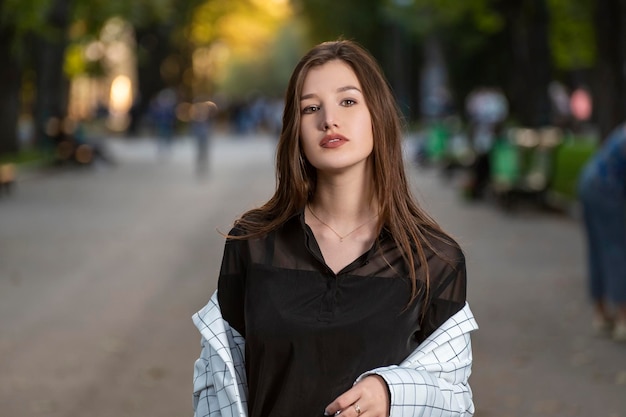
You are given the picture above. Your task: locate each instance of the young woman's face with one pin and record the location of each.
(336, 126)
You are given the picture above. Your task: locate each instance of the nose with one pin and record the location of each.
(328, 121)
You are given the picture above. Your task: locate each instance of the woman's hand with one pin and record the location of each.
(367, 398)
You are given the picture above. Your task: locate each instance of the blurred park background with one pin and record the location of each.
(131, 130)
(536, 83)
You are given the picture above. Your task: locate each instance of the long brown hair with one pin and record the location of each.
(409, 225)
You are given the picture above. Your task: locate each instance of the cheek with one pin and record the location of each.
(367, 129)
(307, 132)
(305, 143)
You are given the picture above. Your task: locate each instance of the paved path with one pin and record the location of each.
(535, 354)
(101, 269)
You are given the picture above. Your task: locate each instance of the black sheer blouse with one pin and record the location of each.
(310, 332)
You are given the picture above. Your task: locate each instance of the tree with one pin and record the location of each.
(18, 19)
(10, 75)
(489, 42)
(35, 35)
(530, 70)
(248, 46)
(609, 80)
(51, 83)
(373, 24)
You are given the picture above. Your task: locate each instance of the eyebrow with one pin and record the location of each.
(339, 90)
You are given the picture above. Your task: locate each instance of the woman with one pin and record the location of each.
(340, 294)
(602, 191)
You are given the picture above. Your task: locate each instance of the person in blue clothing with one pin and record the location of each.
(163, 114)
(602, 192)
(340, 294)
(201, 124)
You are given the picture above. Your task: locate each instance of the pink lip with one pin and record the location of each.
(333, 141)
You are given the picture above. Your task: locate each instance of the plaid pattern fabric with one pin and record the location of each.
(432, 381)
(219, 379)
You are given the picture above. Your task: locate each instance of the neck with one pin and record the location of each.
(344, 200)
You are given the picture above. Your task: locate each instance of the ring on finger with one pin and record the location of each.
(357, 409)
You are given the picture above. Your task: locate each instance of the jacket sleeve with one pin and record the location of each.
(204, 396)
(219, 378)
(435, 376)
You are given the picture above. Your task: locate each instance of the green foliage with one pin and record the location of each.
(23, 16)
(266, 73)
(20, 18)
(572, 35)
(248, 46)
(203, 25)
(425, 17)
(359, 20)
(138, 12)
(27, 157)
(571, 24)
(75, 64)
(569, 160)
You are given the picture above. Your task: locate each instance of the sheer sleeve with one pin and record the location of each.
(447, 291)
(231, 282)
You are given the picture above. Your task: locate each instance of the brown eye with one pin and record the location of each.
(310, 109)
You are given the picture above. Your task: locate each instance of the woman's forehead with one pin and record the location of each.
(333, 75)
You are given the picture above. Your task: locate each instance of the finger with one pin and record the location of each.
(352, 410)
(342, 402)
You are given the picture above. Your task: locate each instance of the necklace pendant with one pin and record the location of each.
(333, 230)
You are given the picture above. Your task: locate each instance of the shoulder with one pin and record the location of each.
(442, 245)
(253, 233)
(615, 138)
(246, 227)
(258, 223)
(446, 265)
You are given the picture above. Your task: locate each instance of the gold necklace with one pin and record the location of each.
(341, 238)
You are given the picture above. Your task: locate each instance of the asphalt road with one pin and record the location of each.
(101, 270)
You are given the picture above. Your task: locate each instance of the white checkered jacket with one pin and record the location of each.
(432, 381)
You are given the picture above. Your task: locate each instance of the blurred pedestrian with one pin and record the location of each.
(163, 113)
(340, 294)
(202, 130)
(487, 109)
(602, 191)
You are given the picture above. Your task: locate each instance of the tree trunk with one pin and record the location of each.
(609, 83)
(531, 69)
(396, 63)
(52, 85)
(541, 64)
(153, 47)
(10, 75)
